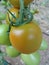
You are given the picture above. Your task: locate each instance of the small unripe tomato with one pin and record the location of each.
(4, 36)
(11, 51)
(31, 59)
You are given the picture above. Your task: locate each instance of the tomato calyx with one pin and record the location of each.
(25, 16)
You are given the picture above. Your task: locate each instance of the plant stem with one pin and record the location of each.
(21, 9)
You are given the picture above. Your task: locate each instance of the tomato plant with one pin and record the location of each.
(26, 38)
(31, 59)
(15, 12)
(16, 3)
(11, 51)
(4, 36)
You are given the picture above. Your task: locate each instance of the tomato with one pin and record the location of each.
(26, 38)
(2, 16)
(16, 3)
(13, 11)
(4, 36)
(3, 2)
(11, 51)
(44, 45)
(31, 59)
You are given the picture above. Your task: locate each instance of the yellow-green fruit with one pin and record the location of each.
(15, 12)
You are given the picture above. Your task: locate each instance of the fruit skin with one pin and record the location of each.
(12, 52)
(31, 59)
(16, 3)
(44, 45)
(4, 36)
(14, 11)
(26, 38)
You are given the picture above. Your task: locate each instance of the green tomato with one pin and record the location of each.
(31, 59)
(12, 52)
(2, 16)
(3, 2)
(6, 3)
(44, 45)
(4, 36)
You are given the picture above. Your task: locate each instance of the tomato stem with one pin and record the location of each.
(21, 9)
(24, 17)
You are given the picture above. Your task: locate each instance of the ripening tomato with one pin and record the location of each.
(16, 3)
(26, 38)
(13, 11)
